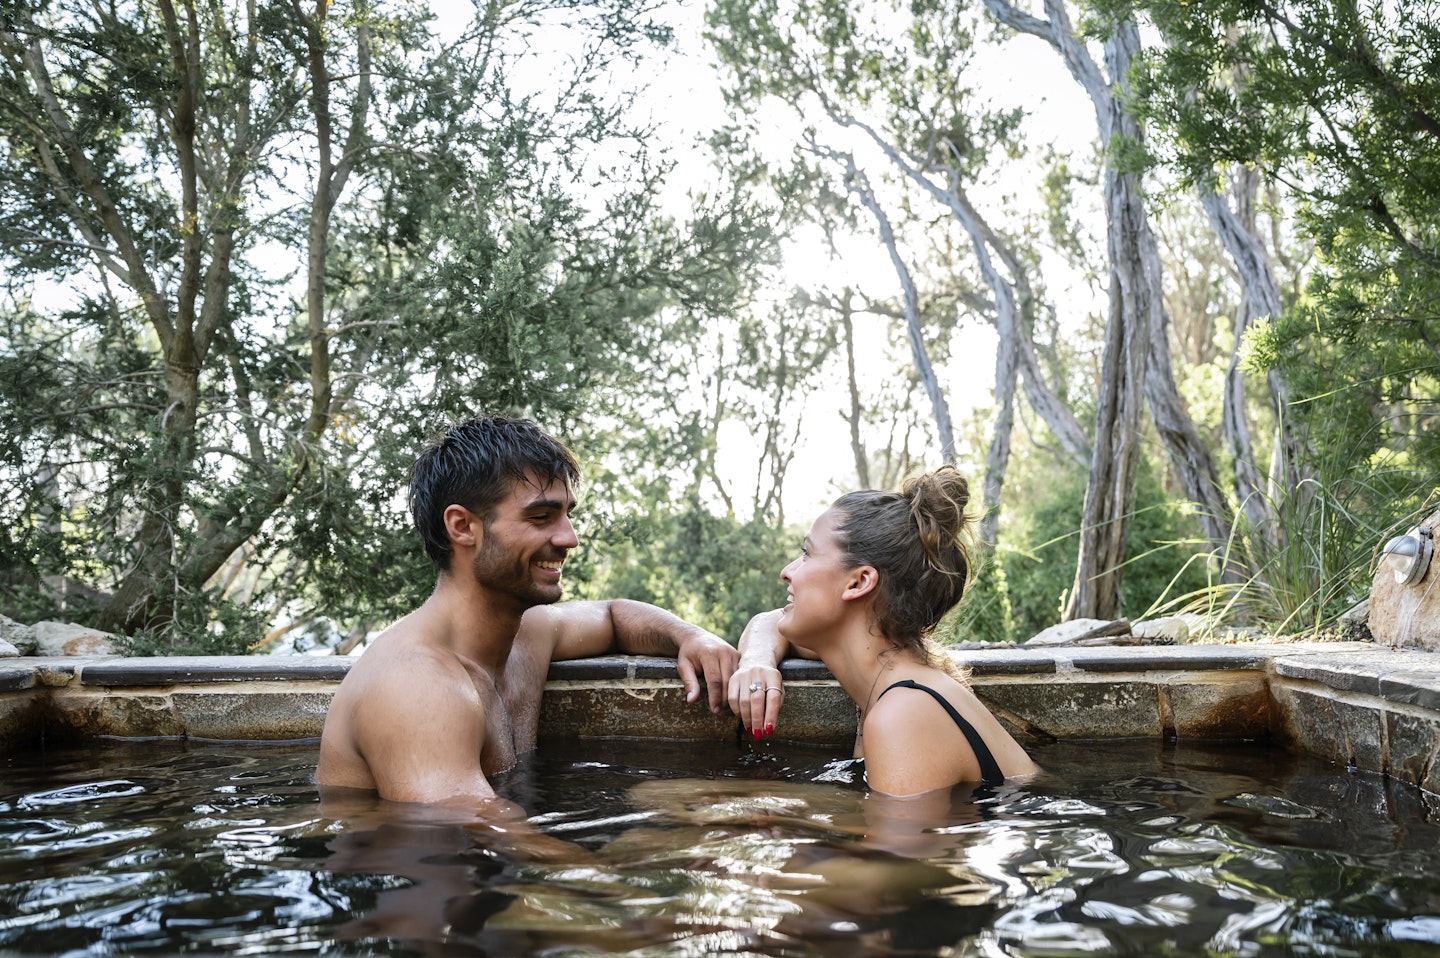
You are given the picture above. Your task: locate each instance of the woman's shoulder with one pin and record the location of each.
(907, 705)
(927, 683)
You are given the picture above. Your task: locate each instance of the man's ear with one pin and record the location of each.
(463, 527)
(862, 581)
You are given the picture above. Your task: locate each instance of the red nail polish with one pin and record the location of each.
(769, 730)
(755, 732)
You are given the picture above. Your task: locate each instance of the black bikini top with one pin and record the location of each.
(989, 768)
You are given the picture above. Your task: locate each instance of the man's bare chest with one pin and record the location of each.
(511, 704)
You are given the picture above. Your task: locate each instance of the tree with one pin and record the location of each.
(1137, 345)
(198, 390)
(1336, 103)
(859, 186)
(904, 91)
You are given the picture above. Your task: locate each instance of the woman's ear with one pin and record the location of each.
(462, 526)
(862, 581)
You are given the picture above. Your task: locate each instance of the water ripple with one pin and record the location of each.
(81, 794)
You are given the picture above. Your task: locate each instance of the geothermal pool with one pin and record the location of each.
(685, 848)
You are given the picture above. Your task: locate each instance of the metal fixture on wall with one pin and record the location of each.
(1408, 556)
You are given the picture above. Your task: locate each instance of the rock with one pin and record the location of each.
(1068, 633)
(1408, 615)
(18, 636)
(1201, 627)
(65, 638)
(8, 651)
(1357, 615)
(1169, 630)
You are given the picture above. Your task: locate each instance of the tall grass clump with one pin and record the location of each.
(1308, 554)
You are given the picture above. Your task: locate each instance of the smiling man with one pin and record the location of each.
(450, 694)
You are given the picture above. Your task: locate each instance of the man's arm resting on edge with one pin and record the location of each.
(638, 628)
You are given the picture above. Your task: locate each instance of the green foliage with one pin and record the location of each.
(180, 406)
(984, 614)
(1034, 566)
(1339, 102)
(1315, 558)
(1260, 351)
(711, 570)
(208, 624)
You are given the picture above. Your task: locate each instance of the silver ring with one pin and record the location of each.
(756, 686)
(773, 688)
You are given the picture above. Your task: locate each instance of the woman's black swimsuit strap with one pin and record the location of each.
(989, 768)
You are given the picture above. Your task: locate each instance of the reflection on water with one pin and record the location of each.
(677, 849)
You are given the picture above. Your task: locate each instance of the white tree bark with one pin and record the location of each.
(1136, 298)
(1260, 300)
(859, 184)
(997, 458)
(1008, 317)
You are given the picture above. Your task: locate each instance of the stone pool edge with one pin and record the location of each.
(1354, 704)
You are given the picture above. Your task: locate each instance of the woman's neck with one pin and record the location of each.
(860, 667)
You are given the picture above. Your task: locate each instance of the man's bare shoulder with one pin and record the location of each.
(402, 688)
(403, 658)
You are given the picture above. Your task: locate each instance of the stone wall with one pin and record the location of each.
(1355, 704)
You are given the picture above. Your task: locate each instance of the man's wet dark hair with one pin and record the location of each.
(476, 464)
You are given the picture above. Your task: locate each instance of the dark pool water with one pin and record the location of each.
(653, 848)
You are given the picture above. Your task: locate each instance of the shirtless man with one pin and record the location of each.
(450, 694)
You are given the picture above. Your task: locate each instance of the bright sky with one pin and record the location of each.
(686, 101)
(683, 95)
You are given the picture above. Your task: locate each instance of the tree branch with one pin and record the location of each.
(92, 185)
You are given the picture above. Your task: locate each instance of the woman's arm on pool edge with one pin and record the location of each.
(762, 648)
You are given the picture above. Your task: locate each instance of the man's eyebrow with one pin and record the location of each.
(548, 504)
(806, 542)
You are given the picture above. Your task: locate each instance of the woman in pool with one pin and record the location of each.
(876, 574)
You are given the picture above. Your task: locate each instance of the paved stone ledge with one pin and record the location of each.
(1356, 704)
(198, 669)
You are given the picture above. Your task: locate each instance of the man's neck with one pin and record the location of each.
(478, 625)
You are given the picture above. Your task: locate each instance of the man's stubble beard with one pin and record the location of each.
(496, 567)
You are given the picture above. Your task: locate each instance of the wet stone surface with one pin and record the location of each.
(1345, 702)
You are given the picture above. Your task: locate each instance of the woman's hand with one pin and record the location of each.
(756, 689)
(756, 694)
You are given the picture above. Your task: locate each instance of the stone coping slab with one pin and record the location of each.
(121, 672)
(1148, 658)
(14, 678)
(1362, 674)
(1408, 677)
(125, 672)
(1357, 666)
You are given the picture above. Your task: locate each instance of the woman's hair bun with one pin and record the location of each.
(938, 501)
(918, 586)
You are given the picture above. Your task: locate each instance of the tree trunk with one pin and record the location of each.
(1136, 297)
(1110, 494)
(853, 414)
(1190, 457)
(146, 596)
(997, 458)
(1260, 299)
(859, 185)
